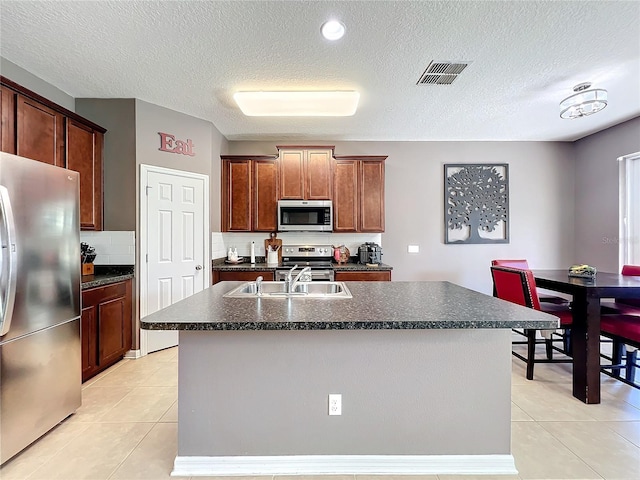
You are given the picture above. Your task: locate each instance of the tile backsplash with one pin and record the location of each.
(119, 247)
(112, 248)
(220, 242)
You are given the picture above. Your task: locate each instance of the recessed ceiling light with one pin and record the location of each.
(298, 104)
(332, 30)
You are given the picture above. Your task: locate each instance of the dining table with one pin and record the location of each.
(586, 294)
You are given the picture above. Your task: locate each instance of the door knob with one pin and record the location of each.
(198, 267)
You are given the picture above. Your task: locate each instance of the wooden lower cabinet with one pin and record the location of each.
(364, 276)
(106, 326)
(227, 276)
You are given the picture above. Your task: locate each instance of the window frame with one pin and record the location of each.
(629, 210)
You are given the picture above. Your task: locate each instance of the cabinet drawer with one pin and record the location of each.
(94, 296)
(382, 276)
(223, 276)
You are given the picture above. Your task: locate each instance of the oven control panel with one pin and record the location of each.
(307, 250)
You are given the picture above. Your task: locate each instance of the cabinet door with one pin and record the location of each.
(39, 132)
(265, 206)
(236, 200)
(318, 175)
(372, 196)
(8, 120)
(89, 341)
(345, 196)
(292, 175)
(111, 326)
(84, 155)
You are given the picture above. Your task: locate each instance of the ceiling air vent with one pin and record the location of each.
(442, 73)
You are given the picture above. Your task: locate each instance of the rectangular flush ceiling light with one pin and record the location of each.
(298, 104)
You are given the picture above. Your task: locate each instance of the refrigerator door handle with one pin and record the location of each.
(9, 257)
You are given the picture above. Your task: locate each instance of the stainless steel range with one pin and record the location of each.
(316, 257)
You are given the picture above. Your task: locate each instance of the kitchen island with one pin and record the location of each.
(423, 368)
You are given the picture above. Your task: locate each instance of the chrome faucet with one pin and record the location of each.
(290, 283)
(259, 286)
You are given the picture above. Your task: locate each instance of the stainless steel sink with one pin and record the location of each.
(301, 289)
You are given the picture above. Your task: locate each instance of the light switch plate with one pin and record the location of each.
(413, 249)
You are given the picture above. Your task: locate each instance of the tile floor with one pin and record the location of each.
(126, 429)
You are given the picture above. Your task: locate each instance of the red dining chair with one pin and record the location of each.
(524, 265)
(519, 286)
(617, 329)
(623, 330)
(626, 306)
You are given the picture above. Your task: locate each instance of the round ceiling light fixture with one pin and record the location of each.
(332, 30)
(583, 102)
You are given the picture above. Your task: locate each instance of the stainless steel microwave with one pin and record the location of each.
(305, 216)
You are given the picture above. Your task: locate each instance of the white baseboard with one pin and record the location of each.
(345, 465)
(133, 354)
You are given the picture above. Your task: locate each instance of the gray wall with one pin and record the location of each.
(541, 182)
(207, 140)
(28, 80)
(119, 169)
(403, 392)
(597, 193)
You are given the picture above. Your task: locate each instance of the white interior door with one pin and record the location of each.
(175, 253)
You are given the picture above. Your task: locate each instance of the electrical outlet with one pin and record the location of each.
(413, 248)
(335, 404)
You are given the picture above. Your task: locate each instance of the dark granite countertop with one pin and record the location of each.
(106, 275)
(374, 306)
(245, 266)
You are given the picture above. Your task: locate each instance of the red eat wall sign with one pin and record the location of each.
(168, 143)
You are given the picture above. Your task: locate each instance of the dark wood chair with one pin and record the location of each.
(522, 264)
(518, 286)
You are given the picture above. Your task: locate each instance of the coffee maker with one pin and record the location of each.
(370, 252)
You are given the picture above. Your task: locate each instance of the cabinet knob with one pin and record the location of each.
(198, 267)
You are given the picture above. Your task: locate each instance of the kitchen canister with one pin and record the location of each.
(272, 258)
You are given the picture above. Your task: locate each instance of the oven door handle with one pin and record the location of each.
(321, 273)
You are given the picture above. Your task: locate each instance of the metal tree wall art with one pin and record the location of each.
(476, 203)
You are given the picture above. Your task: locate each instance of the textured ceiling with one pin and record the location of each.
(191, 56)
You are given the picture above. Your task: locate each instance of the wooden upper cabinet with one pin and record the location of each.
(318, 175)
(372, 196)
(292, 175)
(36, 128)
(358, 194)
(84, 155)
(265, 198)
(39, 132)
(250, 193)
(8, 120)
(345, 196)
(305, 173)
(236, 195)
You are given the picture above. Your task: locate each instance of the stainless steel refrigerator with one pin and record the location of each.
(40, 359)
